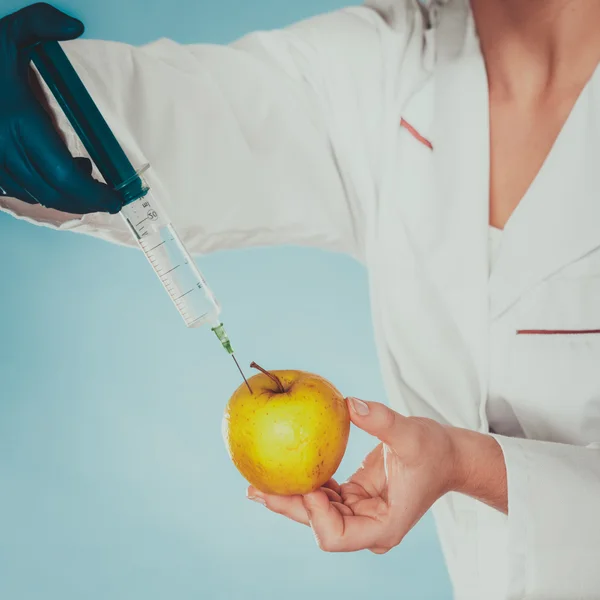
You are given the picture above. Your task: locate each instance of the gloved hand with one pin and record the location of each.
(35, 164)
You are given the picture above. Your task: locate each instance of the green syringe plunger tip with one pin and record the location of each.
(223, 338)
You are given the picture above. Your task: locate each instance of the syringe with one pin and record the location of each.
(141, 210)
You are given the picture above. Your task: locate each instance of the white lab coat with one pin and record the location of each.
(295, 136)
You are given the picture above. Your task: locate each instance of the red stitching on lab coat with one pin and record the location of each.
(557, 331)
(415, 133)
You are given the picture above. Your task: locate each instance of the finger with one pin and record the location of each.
(84, 164)
(374, 508)
(332, 495)
(346, 511)
(337, 532)
(291, 507)
(332, 484)
(35, 188)
(379, 550)
(58, 179)
(352, 492)
(325, 520)
(9, 187)
(377, 419)
(370, 478)
(42, 22)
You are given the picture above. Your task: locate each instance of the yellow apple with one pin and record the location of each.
(288, 435)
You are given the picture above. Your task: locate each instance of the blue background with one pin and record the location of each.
(114, 479)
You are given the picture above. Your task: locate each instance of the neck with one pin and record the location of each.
(533, 48)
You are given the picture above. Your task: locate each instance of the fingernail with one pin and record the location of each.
(360, 408)
(257, 499)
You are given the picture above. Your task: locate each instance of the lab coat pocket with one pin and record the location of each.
(554, 359)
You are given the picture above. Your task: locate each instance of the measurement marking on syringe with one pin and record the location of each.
(141, 221)
(182, 295)
(158, 245)
(198, 318)
(171, 270)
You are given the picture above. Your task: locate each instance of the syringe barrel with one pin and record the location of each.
(142, 212)
(171, 261)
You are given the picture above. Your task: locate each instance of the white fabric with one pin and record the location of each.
(500, 414)
(294, 136)
(495, 240)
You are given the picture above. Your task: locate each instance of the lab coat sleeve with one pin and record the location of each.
(553, 520)
(265, 141)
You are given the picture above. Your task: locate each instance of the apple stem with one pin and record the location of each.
(276, 379)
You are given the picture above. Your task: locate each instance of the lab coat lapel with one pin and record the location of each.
(559, 222)
(432, 237)
(459, 260)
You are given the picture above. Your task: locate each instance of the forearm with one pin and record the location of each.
(480, 470)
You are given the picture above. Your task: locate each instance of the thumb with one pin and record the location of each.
(41, 22)
(377, 419)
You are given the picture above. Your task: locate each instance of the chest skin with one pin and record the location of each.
(520, 140)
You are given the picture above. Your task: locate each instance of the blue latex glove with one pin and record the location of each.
(35, 164)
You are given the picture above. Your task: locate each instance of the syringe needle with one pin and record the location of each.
(224, 339)
(241, 372)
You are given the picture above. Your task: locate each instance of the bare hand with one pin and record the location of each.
(414, 465)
